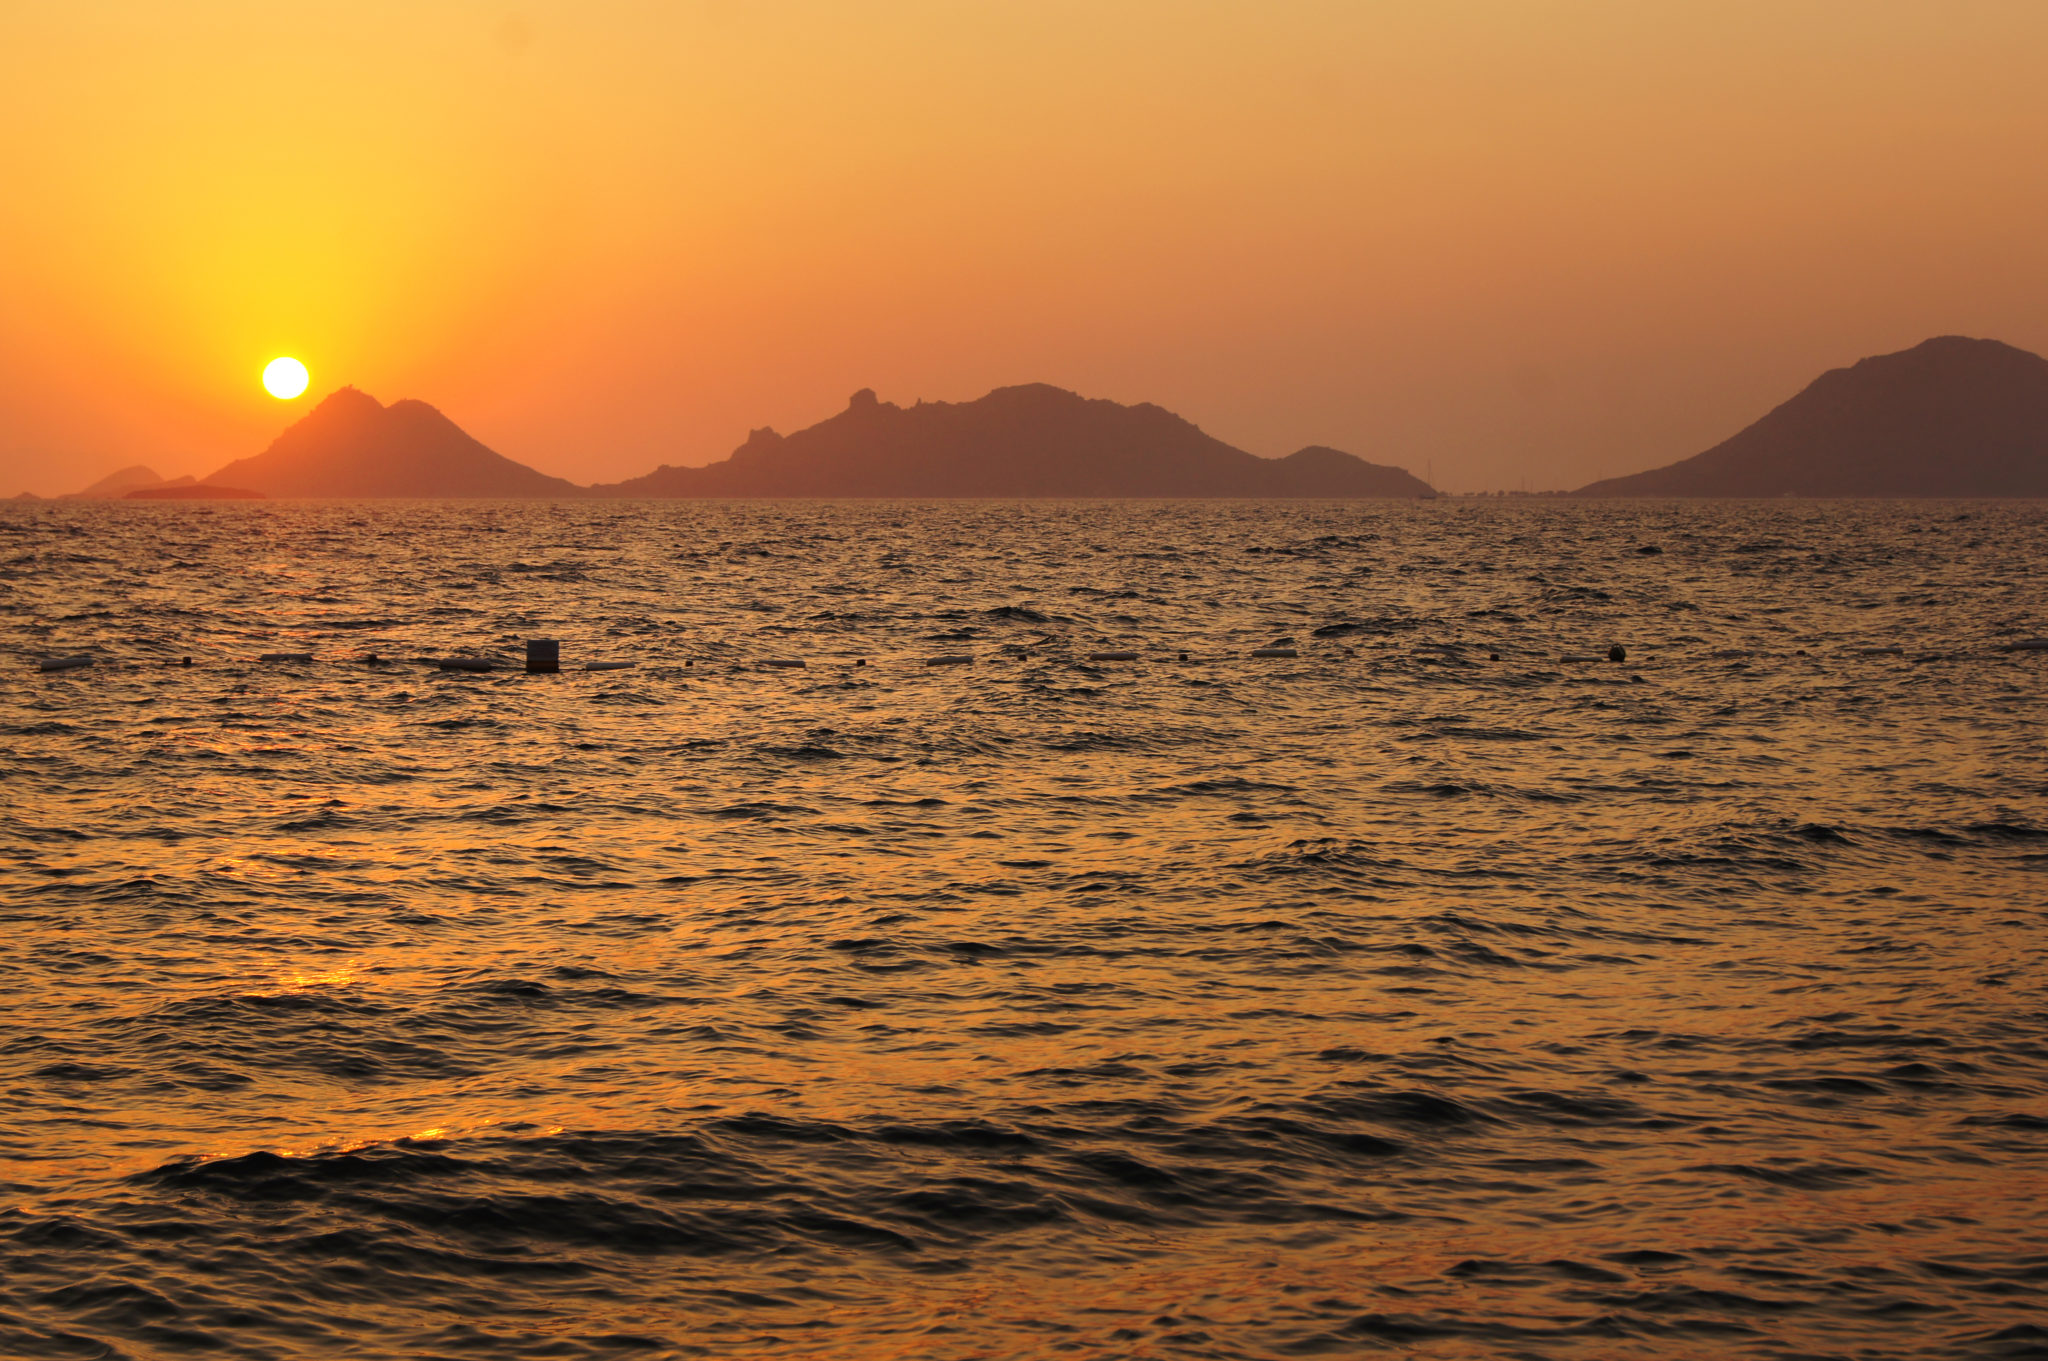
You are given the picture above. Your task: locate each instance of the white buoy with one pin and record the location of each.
(1274, 652)
(951, 659)
(64, 663)
(784, 661)
(286, 657)
(606, 666)
(1112, 656)
(2027, 645)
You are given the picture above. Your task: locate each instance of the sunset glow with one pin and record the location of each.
(1529, 243)
(284, 379)
(1119, 679)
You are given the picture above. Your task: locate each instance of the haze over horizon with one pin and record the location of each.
(791, 679)
(1501, 243)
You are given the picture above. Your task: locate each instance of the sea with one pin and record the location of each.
(1441, 988)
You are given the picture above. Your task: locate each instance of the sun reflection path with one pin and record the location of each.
(1504, 962)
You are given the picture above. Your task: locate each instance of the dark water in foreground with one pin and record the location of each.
(1386, 1000)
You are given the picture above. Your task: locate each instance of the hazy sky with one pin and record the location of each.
(1506, 240)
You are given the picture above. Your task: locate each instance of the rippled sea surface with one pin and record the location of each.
(1424, 994)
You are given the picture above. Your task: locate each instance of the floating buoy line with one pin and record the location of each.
(543, 657)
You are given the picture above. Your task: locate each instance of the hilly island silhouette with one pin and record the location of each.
(196, 491)
(353, 445)
(1032, 440)
(126, 482)
(1950, 417)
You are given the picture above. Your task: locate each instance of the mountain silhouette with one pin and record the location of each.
(1033, 440)
(1950, 417)
(353, 445)
(123, 483)
(193, 491)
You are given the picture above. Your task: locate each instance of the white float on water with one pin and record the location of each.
(1112, 656)
(606, 666)
(65, 663)
(951, 659)
(784, 661)
(286, 657)
(2026, 645)
(1274, 652)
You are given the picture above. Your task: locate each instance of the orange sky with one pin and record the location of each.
(1511, 240)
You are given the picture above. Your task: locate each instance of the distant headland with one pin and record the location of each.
(1950, 417)
(1033, 440)
(126, 482)
(353, 445)
(195, 491)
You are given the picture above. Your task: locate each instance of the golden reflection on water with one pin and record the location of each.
(1214, 918)
(341, 976)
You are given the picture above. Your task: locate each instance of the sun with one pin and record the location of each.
(284, 379)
